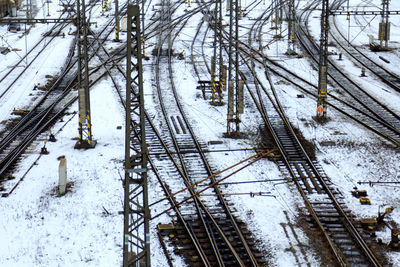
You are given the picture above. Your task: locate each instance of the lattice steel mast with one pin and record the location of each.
(235, 89)
(384, 25)
(230, 81)
(215, 85)
(136, 206)
(85, 138)
(291, 27)
(222, 67)
(323, 64)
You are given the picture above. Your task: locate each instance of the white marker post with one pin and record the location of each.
(62, 176)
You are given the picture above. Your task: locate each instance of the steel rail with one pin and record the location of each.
(393, 80)
(371, 257)
(260, 58)
(349, 225)
(306, 34)
(238, 231)
(36, 118)
(192, 49)
(337, 252)
(256, 54)
(162, 40)
(210, 217)
(163, 144)
(262, 110)
(34, 58)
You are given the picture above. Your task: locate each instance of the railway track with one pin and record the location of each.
(33, 54)
(158, 146)
(360, 57)
(213, 224)
(168, 162)
(344, 106)
(321, 199)
(46, 111)
(212, 229)
(385, 120)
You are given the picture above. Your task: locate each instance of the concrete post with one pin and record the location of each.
(62, 176)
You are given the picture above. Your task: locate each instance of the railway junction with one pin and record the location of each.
(200, 133)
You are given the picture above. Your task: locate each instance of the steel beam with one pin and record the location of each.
(365, 12)
(136, 249)
(30, 21)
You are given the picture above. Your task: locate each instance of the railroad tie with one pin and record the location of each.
(312, 178)
(303, 178)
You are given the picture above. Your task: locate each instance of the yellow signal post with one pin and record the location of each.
(116, 22)
(213, 89)
(223, 78)
(144, 53)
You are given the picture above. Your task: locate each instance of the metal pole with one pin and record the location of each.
(323, 64)
(30, 9)
(221, 62)
(214, 57)
(384, 26)
(237, 119)
(136, 249)
(78, 36)
(386, 22)
(85, 139)
(116, 22)
(291, 27)
(348, 24)
(230, 41)
(230, 81)
(80, 68)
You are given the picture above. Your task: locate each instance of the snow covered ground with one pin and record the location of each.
(84, 227)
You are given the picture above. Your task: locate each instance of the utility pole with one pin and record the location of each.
(323, 64)
(291, 28)
(235, 89)
(85, 138)
(222, 68)
(216, 86)
(214, 57)
(136, 207)
(384, 25)
(30, 9)
(238, 83)
(230, 81)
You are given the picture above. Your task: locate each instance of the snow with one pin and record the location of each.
(84, 227)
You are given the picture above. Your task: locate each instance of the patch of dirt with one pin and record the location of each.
(317, 241)
(307, 145)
